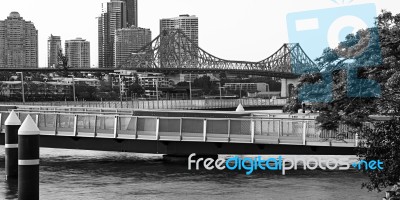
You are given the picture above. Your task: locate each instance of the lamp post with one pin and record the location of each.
(157, 92)
(73, 87)
(120, 88)
(22, 84)
(220, 91)
(240, 90)
(190, 88)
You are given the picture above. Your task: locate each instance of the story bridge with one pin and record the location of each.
(173, 51)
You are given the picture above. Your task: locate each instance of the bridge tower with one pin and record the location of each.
(287, 85)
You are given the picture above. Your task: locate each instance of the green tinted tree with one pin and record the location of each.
(135, 89)
(382, 142)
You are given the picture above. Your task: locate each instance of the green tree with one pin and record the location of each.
(382, 142)
(204, 83)
(135, 89)
(85, 91)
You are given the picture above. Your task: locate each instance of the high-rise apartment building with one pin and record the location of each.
(131, 12)
(129, 40)
(189, 24)
(186, 51)
(113, 17)
(18, 42)
(53, 48)
(78, 53)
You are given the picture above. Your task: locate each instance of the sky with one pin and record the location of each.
(248, 30)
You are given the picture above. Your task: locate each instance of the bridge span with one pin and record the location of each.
(272, 134)
(173, 52)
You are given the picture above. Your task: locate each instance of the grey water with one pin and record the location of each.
(79, 174)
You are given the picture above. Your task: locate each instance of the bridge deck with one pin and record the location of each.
(117, 132)
(198, 104)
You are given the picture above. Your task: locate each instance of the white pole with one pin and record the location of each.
(22, 84)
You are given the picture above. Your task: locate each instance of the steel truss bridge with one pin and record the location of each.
(173, 52)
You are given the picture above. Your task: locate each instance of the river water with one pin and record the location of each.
(78, 174)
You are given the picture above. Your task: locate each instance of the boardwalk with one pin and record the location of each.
(243, 134)
(200, 104)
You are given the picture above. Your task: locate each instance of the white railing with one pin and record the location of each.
(231, 130)
(162, 104)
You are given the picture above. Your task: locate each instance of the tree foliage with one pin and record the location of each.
(382, 143)
(343, 66)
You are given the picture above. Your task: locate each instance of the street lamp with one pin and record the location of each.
(120, 88)
(240, 92)
(73, 87)
(220, 91)
(190, 88)
(22, 84)
(157, 92)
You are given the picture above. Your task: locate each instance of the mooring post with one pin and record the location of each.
(12, 125)
(28, 160)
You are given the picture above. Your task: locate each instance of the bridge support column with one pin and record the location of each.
(284, 88)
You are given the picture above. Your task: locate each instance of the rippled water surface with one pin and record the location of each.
(77, 174)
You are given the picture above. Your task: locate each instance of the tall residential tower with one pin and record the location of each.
(189, 24)
(187, 51)
(113, 17)
(53, 48)
(78, 53)
(129, 40)
(18, 43)
(131, 13)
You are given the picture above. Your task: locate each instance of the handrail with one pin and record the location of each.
(152, 104)
(230, 130)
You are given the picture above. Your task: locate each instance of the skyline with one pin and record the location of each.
(222, 31)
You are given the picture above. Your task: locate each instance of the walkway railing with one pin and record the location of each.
(231, 130)
(163, 104)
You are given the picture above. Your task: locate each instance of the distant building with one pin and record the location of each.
(18, 43)
(187, 77)
(131, 12)
(13, 88)
(149, 82)
(78, 53)
(187, 51)
(53, 48)
(128, 78)
(248, 87)
(88, 81)
(129, 40)
(112, 18)
(189, 24)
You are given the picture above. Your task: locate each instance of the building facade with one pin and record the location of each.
(189, 24)
(154, 84)
(248, 87)
(129, 40)
(131, 12)
(112, 18)
(78, 53)
(53, 48)
(12, 89)
(18, 43)
(186, 50)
